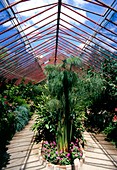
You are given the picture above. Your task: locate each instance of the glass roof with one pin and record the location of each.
(34, 33)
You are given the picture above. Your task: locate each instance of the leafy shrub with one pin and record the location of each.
(6, 128)
(98, 121)
(44, 127)
(21, 117)
(111, 131)
(6, 121)
(20, 101)
(14, 111)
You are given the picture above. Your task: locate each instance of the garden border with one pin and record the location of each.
(77, 163)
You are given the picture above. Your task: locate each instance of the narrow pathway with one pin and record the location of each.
(107, 147)
(97, 158)
(23, 152)
(100, 155)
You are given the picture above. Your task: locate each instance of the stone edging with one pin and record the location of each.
(77, 163)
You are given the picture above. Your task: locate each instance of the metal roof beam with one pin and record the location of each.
(57, 31)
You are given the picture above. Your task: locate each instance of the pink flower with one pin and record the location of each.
(54, 142)
(80, 154)
(46, 142)
(57, 152)
(68, 154)
(77, 140)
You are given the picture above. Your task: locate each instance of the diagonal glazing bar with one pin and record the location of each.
(11, 5)
(34, 51)
(107, 6)
(16, 74)
(83, 50)
(91, 20)
(29, 32)
(95, 3)
(87, 26)
(35, 8)
(87, 32)
(31, 37)
(28, 38)
(26, 28)
(61, 47)
(85, 38)
(79, 8)
(46, 50)
(27, 19)
(3, 22)
(76, 50)
(25, 58)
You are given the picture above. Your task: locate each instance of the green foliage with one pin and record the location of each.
(21, 117)
(61, 82)
(46, 123)
(59, 108)
(51, 154)
(89, 90)
(17, 104)
(111, 132)
(6, 120)
(109, 71)
(13, 97)
(19, 100)
(104, 101)
(6, 128)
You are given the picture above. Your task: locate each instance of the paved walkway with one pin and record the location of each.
(24, 153)
(97, 157)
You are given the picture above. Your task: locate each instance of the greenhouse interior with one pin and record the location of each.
(58, 84)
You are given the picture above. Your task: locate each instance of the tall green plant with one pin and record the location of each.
(61, 82)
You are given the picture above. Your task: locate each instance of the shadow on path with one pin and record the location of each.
(96, 156)
(23, 153)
